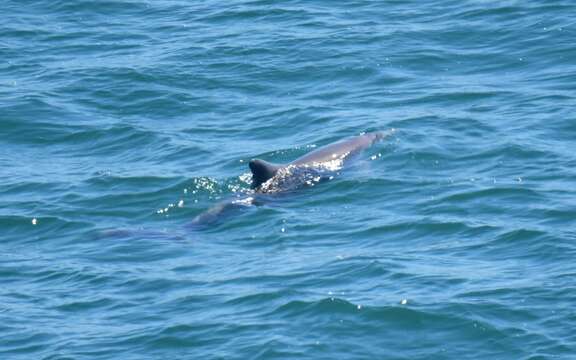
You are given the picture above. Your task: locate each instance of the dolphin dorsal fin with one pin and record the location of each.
(262, 171)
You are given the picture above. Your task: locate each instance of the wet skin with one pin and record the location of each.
(268, 178)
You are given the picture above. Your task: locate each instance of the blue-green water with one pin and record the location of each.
(454, 239)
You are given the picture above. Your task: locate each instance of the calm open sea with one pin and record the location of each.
(121, 120)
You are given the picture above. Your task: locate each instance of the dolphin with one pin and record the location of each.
(307, 170)
(327, 159)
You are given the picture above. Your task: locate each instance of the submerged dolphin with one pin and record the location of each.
(318, 165)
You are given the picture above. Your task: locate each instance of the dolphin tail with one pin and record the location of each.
(262, 171)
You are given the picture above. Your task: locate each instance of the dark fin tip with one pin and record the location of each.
(261, 171)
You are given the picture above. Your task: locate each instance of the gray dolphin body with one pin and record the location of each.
(268, 178)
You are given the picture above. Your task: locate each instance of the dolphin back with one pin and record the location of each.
(310, 168)
(341, 150)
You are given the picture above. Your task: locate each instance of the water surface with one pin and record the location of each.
(122, 120)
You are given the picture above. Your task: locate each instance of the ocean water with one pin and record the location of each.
(122, 120)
